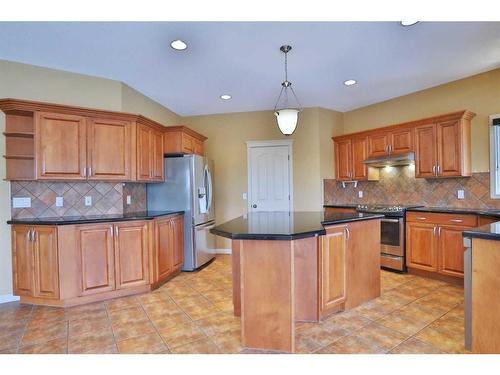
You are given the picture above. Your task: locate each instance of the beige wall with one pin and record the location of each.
(479, 93)
(35, 83)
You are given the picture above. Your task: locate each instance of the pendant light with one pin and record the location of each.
(287, 116)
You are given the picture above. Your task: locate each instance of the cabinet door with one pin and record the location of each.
(131, 254)
(144, 154)
(164, 248)
(448, 148)
(343, 160)
(359, 154)
(198, 147)
(425, 151)
(61, 147)
(333, 268)
(157, 170)
(109, 149)
(401, 141)
(22, 261)
(178, 240)
(421, 246)
(46, 262)
(95, 249)
(187, 144)
(451, 250)
(378, 144)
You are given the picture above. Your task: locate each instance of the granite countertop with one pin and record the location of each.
(284, 225)
(346, 205)
(142, 215)
(453, 210)
(486, 232)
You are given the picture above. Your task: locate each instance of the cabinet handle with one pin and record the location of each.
(457, 220)
(29, 234)
(439, 231)
(434, 170)
(434, 231)
(33, 235)
(116, 232)
(84, 171)
(438, 170)
(348, 233)
(90, 171)
(421, 218)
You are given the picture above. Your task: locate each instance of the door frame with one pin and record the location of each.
(271, 143)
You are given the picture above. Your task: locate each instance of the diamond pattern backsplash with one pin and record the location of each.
(398, 185)
(137, 192)
(107, 198)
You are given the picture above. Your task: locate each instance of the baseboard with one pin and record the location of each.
(223, 251)
(8, 298)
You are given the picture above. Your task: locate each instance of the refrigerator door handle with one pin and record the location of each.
(209, 190)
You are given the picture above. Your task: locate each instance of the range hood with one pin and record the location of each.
(391, 160)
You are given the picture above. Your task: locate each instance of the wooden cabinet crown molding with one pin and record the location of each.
(9, 105)
(459, 115)
(185, 129)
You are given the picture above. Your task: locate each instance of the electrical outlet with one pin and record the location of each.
(59, 201)
(460, 194)
(244, 196)
(21, 202)
(88, 201)
(360, 194)
(129, 199)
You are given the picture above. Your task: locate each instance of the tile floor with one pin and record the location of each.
(193, 314)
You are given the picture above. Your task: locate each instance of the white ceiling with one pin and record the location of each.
(243, 58)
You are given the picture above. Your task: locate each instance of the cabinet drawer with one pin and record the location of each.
(442, 218)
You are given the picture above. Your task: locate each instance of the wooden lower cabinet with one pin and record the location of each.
(35, 265)
(75, 264)
(451, 251)
(421, 246)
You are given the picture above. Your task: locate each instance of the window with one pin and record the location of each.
(495, 156)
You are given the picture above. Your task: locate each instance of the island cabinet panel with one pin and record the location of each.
(333, 261)
(268, 323)
(94, 244)
(61, 147)
(109, 149)
(421, 246)
(131, 254)
(306, 279)
(22, 261)
(46, 262)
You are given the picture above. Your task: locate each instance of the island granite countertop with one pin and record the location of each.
(485, 232)
(71, 220)
(285, 225)
(456, 210)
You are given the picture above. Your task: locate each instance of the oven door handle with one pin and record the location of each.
(389, 220)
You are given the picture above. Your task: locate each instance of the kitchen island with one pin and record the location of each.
(290, 267)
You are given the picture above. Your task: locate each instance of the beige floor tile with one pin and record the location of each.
(170, 321)
(46, 331)
(443, 340)
(84, 326)
(182, 334)
(131, 329)
(56, 346)
(122, 303)
(382, 337)
(351, 345)
(10, 339)
(229, 342)
(149, 344)
(204, 346)
(415, 346)
(100, 342)
(129, 315)
(401, 323)
(90, 311)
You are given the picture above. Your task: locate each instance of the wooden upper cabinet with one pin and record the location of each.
(401, 141)
(131, 254)
(378, 144)
(94, 245)
(421, 246)
(61, 146)
(449, 149)
(109, 149)
(22, 261)
(333, 258)
(343, 160)
(149, 154)
(359, 154)
(157, 170)
(182, 140)
(425, 151)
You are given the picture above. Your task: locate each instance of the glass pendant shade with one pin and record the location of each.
(287, 120)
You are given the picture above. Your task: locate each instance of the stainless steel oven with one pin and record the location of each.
(392, 246)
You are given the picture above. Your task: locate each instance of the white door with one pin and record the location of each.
(269, 178)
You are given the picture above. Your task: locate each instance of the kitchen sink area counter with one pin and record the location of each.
(293, 267)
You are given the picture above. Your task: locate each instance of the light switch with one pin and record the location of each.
(244, 196)
(88, 201)
(59, 201)
(21, 202)
(129, 199)
(360, 194)
(460, 194)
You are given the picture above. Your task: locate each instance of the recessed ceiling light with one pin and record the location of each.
(178, 45)
(408, 23)
(350, 82)
(225, 97)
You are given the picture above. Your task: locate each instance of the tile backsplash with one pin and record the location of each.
(107, 198)
(398, 185)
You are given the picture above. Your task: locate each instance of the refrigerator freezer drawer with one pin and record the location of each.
(204, 243)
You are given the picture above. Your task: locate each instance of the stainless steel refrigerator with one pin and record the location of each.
(188, 186)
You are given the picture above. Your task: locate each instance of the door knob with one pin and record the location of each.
(254, 205)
